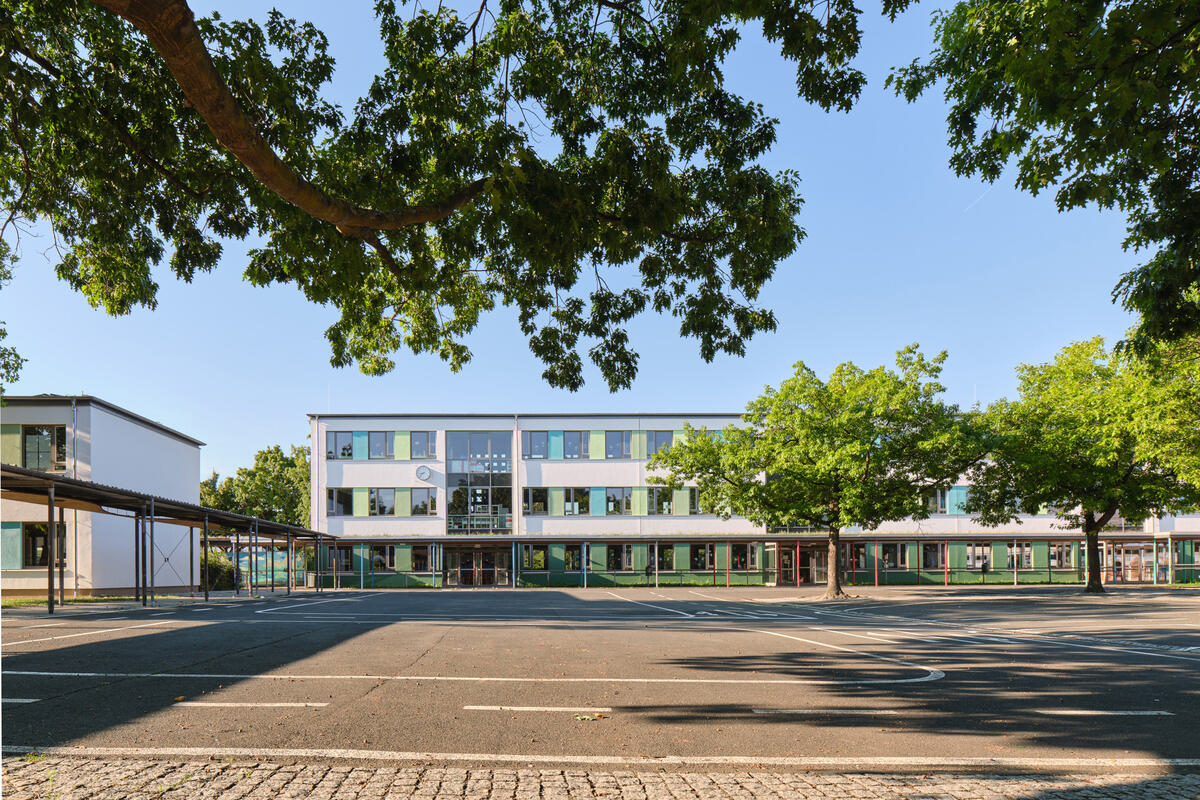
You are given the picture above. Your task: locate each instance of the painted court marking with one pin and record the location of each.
(203, 704)
(1088, 712)
(867, 712)
(591, 710)
(933, 674)
(651, 605)
(850, 763)
(86, 633)
(21, 699)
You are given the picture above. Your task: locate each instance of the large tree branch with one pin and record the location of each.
(171, 28)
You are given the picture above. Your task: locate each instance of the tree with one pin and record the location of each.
(275, 488)
(1099, 101)
(581, 161)
(861, 448)
(1075, 443)
(10, 360)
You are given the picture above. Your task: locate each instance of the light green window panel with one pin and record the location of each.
(403, 446)
(678, 436)
(403, 502)
(10, 447)
(403, 558)
(10, 545)
(556, 446)
(360, 502)
(641, 501)
(679, 502)
(596, 445)
(557, 500)
(360, 446)
(637, 448)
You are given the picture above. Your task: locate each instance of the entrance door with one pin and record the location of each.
(477, 567)
(787, 566)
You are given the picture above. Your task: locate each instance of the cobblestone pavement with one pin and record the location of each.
(68, 778)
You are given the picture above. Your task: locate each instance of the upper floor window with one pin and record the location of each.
(423, 444)
(577, 501)
(617, 444)
(658, 440)
(381, 502)
(339, 502)
(660, 501)
(575, 444)
(619, 500)
(535, 444)
(339, 444)
(935, 501)
(424, 502)
(381, 444)
(694, 501)
(536, 501)
(44, 447)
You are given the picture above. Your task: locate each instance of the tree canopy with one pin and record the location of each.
(1077, 443)
(581, 161)
(276, 487)
(858, 449)
(1099, 101)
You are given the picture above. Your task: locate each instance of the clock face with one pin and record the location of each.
(423, 472)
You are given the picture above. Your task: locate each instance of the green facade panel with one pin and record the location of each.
(640, 506)
(596, 445)
(679, 502)
(403, 502)
(10, 444)
(402, 447)
(555, 444)
(11, 544)
(598, 501)
(557, 501)
(637, 445)
(360, 501)
(360, 446)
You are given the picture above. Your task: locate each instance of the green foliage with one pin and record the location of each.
(610, 170)
(10, 360)
(1099, 101)
(222, 573)
(275, 488)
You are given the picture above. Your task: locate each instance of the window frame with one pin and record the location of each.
(331, 501)
(658, 556)
(528, 552)
(331, 453)
(655, 441)
(430, 446)
(530, 441)
(388, 555)
(373, 502)
(655, 501)
(979, 554)
(584, 442)
(389, 445)
(941, 555)
(624, 557)
(578, 558)
(625, 505)
(528, 500)
(412, 558)
(430, 495)
(1056, 557)
(56, 439)
(572, 497)
(38, 529)
(901, 551)
(1025, 549)
(626, 444)
(710, 557)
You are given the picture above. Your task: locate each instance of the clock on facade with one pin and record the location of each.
(423, 472)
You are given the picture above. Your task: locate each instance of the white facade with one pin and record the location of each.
(108, 445)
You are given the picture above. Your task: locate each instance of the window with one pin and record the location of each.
(44, 447)
(420, 558)
(577, 501)
(931, 555)
(617, 444)
(979, 555)
(694, 501)
(339, 557)
(381, 502)
(383, 557)
(660, 501)
(619, 500)
(424, 502)
(535, 444)
(739, 557)
(537, 501)
(895, 555)
(422, 444)
(702, 556)
(339, 444)
(1061, 555)
(935, 501)
(572, 558)
(1024, 554)
(339, 503)
(381, 444)
(34, 545)
(658, 440)
(665, 557)
(575, 444)
(533, 557)
(855, 555)
(620, 557)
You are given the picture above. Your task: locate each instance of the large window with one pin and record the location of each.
(739, 557)
(572, 558)
(665, 557)
(658, 440)
(536, 502)
(1061, 555)
(535, 444)
(895, 555)
(33, 550)
(702, 556)
(577, 501)
(339, 444)
(659, 501)
(383, 557)
(575, 444)
(420, 558)
(381, 502)
(339, 557)
(479, 476)
(44, 447)
(931, 555)
(1023, 553)
(533, 557)
(619, 500)
(424, 502)
(617, 444)
(979, 555)
(422, 444)
(381, 444)
(620, 557)
(339, 502)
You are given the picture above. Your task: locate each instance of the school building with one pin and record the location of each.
(429, 500)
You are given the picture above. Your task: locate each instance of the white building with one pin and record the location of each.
(88, 438)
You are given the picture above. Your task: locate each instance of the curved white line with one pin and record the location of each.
(934, 674)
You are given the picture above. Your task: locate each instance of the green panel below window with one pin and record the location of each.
(403, 502)
(596, 445)
(360, 501)
(360, 446)
(403, 446)
(10, 545)
(10, 445)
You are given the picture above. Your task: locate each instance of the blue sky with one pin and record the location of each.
(899, 250)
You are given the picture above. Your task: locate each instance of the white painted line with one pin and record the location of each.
(595, 710)
(114, 619)
(201, 704)
(203, 609)
(290, 606)
(163, 614)
(813, 762)
(867, 712)
(651, 605)
(28, 627)
(868, 636)
(933, 674)
(21, 699)
(87, 633)
(1088, 712)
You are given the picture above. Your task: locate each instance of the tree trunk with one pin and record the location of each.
(1091, 540)
(833, 572)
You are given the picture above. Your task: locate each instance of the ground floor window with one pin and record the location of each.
(979, 555)
(743, 557)
(702, 557)
(34, 553)
(1022, 553)
(895, 555)
(855, 555)
(1061, 555)
(420, 558)
(383, 557)
(339, 557)
(931, 555)
(533, 557)
(573, 558)
(620, 557)
(665, 557)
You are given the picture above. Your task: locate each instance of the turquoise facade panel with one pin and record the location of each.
(10, 546)
(955, 498)
(599, 501)
(556, 444)
(360, 446)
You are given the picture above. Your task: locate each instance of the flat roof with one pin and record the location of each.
(87, 399)
(565, 414)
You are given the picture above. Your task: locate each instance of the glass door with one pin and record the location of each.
(787, 566)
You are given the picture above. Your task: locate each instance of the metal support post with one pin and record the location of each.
(206, 557)
(728, 554)
(145, 539)
(946, 561)
(237, 563)
(254, 560)
(137, 567)
(51, 540)
(585, 556)
(152, 578)
(1016, 564)
(1170, 560)
(274, 550)
(876, 562)
(317, 562)
(656, 560)
(191, 560)
(62, 557)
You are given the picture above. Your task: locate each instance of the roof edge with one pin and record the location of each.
(87, 399)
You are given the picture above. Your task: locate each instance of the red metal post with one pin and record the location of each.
(727, 554)
(946, 560)
(876, 562)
